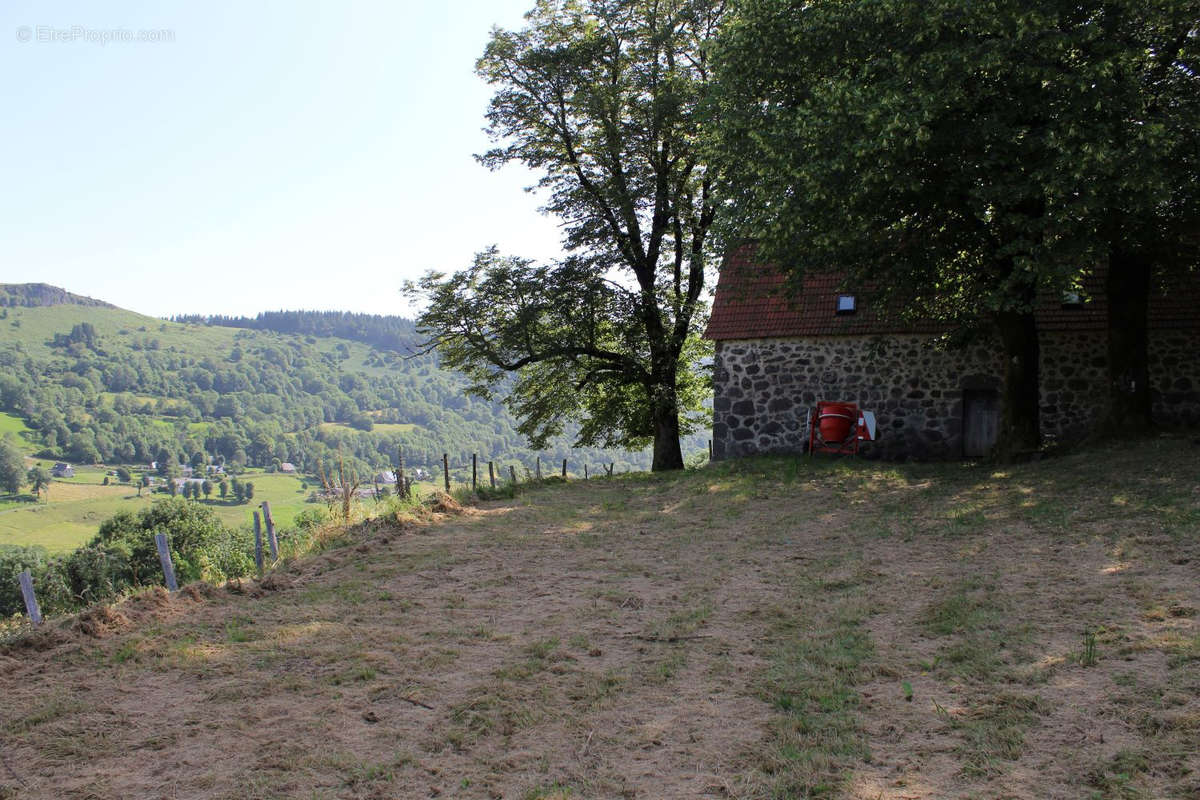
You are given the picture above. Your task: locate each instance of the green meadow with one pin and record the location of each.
(17, 427)
(71, 512)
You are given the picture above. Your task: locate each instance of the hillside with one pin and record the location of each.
(101, 384)
(35, 295)
(765, 629)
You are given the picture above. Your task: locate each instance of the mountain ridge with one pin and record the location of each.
(43, 295)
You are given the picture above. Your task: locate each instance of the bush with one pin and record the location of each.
(89, 574)
(311, 518)
(15, 559)
(194, 533)
(123, 556)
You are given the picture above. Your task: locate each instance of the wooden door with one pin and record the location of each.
(981, 422)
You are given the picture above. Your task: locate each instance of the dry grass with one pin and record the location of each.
(768, 629)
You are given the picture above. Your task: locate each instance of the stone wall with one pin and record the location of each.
(1175, 376)
(764, 388)
(1074, 387)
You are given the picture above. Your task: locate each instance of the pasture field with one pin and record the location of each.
(765, 629)
(35, 329)
(11, 424)
(379, 427)
(74, 507)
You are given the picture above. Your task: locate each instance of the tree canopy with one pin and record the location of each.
(603, 99)
(960, 157)
(12, 466)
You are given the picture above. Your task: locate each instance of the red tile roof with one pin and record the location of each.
(753, 302)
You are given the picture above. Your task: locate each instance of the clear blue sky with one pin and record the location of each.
(274, 155)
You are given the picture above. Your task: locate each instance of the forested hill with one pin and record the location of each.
(34, 295)
(101, 384)
(383, 332)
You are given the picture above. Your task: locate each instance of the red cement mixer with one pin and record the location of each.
(839, 427)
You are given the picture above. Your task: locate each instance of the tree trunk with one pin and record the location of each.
(667, 453)
(1020, 424)
(1128, 292)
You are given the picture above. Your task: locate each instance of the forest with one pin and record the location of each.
(101, 385)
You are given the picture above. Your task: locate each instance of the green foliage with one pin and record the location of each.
(603, 99)
(966, 158)
(962, 154)
(15, 559)
(1087, 655)
(194, 533)
(38, 479)
(242, 398)
(123, 556)
(12, 465)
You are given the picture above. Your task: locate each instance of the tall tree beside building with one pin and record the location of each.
(945, 152)
(39, 480)
(601, 97)
(12, 465)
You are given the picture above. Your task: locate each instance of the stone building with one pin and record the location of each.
(777, 355)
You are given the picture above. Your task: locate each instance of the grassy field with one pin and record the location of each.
(379, 427)
(16, 426)
(73, 509)
(779, 628)
(35, 329)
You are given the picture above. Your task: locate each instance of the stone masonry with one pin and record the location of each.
(764, 389)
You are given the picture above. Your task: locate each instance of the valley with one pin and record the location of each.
(99, 387)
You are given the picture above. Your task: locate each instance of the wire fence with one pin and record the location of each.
(266, 536)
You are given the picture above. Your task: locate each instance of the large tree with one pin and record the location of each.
(39, 480)
(943, 152)
(1127, 139)
(602, 98)
(12, 465)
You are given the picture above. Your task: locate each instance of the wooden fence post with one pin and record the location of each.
(258, 553)
(585, 475)
(401, 487)
(446, 471)
(610, 469)
(710, 449)
(492, 473)
(512, 471)
(539, 468)
(31, 603)
(474, 472)
(271, 540)
(564, 469)
(164, 558)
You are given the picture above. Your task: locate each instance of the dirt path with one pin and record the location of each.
(757, 631)
(597, 644)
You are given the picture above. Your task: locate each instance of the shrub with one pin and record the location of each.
(123, 556)
(311, 518)
(14, 559)
(193, 531)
